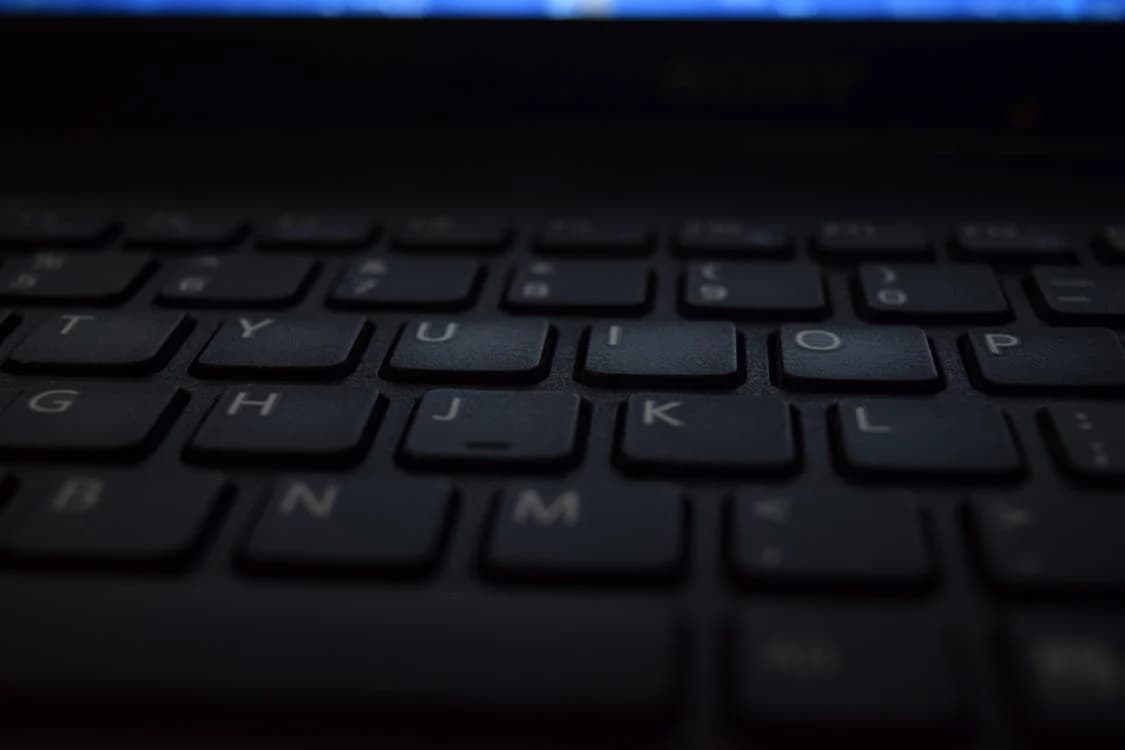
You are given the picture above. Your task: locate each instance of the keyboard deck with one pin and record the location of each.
(680, 481)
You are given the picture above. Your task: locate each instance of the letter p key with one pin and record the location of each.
(998, 342)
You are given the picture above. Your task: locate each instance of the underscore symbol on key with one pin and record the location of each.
(1078, 299)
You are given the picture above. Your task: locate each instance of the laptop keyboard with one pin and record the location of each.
(706, 479)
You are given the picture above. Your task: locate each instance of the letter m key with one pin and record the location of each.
(531, 507)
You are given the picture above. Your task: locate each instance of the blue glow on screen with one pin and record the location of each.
(982, 10)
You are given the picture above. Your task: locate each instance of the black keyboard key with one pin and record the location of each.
(40, 227)
(272, 348)
(1089, 438)
(1070, 674)
(1111, 244)
(187, 229)
(850, 240)
(303, 229)
(450, 233)
(1079, 361)
(1056, 546)
(64, 278)
(931, 293)
(1001, 241)
(97, 343)
(1069, 295)
(591, 287)
(380, 658)
(663, 354)
(578, 236)
(829, 539)
(597, 534)
(755, 290)
(706, 237)
(904, 438)
(350, 526)
(491, 429)
(856, 357)
(398, 282)
(290, 425)
(801, 667)
(712, 434)
(510, 351)
(211, 281)
(98, 519)
(88, 420)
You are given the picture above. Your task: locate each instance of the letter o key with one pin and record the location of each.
(817, 340)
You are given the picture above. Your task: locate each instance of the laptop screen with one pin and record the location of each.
(906, 10)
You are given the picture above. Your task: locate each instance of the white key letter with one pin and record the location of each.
(998, 342)
(250, 328)
(242, 398)
(817, 340)
(423, 332)
(71, 321)
(52, 402)
(301, 495)
(531, 507)
(863, 422)
(454, 410)
(654, 410)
